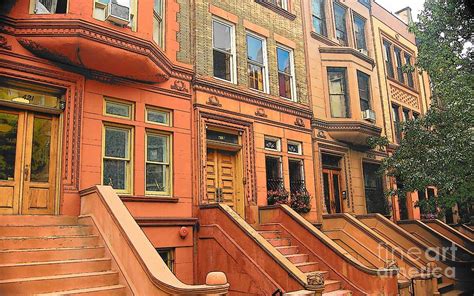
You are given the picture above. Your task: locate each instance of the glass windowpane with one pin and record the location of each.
(41, 147)
(117, 109)
(157, 116)
(115, 173)
(8, 138)
(157, 148)
(222, 37)
(116, 143)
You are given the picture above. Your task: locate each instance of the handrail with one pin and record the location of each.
(119, 224)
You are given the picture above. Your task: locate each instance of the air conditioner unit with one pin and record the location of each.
(117, 14)
(368, 115)
(363, 51)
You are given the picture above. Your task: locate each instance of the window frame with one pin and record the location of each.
(396, 129)
(285, 4)
(161, 24)
(410, 77)
(270, 138)
(322, 18)
(172, 262)
(129, 160)
(300, 147)
(168, 165)
(364, 20)
(32, 8)
(130, 105)
(346, 91)
(388, 58)
(233, 65)
(292, 72)
(156, 109)
(266, 88)
(336, 30)
(398, 52)
(369, 92)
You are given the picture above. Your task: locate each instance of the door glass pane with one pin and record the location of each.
(115, 173)
(41, 147)
(155, 177)
(327, 199)
(337, 196)
(8, 134)
(116, 142)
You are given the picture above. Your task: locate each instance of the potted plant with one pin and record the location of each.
(300, 201)
(277, 196)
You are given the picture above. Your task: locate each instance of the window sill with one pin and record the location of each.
(164, 199)
(324, 39)
(277, 9)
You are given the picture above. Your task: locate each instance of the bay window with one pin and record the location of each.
(223, 47)
(338, 98)
(256, 62)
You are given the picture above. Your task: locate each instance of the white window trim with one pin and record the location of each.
(233, 73)
(266, 88)
(300, 147)
(161, 42)
(150, 108)
(278, 141)
(130, 105)
(292, 70)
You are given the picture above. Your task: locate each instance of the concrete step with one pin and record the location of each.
(445, 287)
(297, 258)
(50, 254)
(51, 268)
(455, 293)
(338, 293)
(35, 220)
(308, 266)
(17, 243)
(48, 284)
(288, 250)
(267, 234)
(279, 242)
(44, 230)
(115, 290)
(331, 286)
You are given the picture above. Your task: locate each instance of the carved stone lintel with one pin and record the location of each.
(315, 279)
(299, 122)
(261, 112)
(213, 101)
(4, 43)
(179, 85)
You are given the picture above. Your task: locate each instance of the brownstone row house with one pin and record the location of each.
(146, 146)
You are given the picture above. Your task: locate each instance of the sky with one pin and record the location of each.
(396, 5)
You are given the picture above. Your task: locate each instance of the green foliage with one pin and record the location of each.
(438, 149)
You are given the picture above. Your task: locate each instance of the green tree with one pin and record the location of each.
(438, 149)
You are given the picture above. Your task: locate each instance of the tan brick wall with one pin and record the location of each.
(250, 11)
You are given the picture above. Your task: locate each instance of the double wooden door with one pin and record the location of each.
(222, 175)
(332, 190)
(28, 162)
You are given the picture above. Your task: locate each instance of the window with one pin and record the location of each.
(117, 158)
(274, 174)
(49, 6)
(375, 199)
(168, 257)
(280, 3)
(406, 114)
(125, 10)
(398, 59)
(158, 164)
(272, 144)
(223, 50)
(158, 27)
(294, 147)
(359, 27)
(158, 116)
(409, 74)
(257, 62)
(363, 80)
(118, 109)
(365, 3)
(340, 20)
(319, 17)
(396, 123)
(286, 78)
(338, 99)
(295, 167)
(388, 58)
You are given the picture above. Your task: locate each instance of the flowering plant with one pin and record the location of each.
(300, 201)
(277, 197)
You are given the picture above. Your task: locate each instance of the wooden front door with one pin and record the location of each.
(221, 179)
(332, 191)
(28, 154)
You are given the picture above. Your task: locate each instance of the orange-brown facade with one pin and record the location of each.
(172, 129)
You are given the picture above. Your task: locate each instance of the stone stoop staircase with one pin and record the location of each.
(305, 262)
(54, 255)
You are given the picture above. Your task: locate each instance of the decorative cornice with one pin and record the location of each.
(347, 50)
(53, 28)
(346, 126)
(277, 9)
(244, 95)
